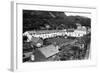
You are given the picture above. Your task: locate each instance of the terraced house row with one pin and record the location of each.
(53, 33)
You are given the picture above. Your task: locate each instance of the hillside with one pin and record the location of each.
(38, 20)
